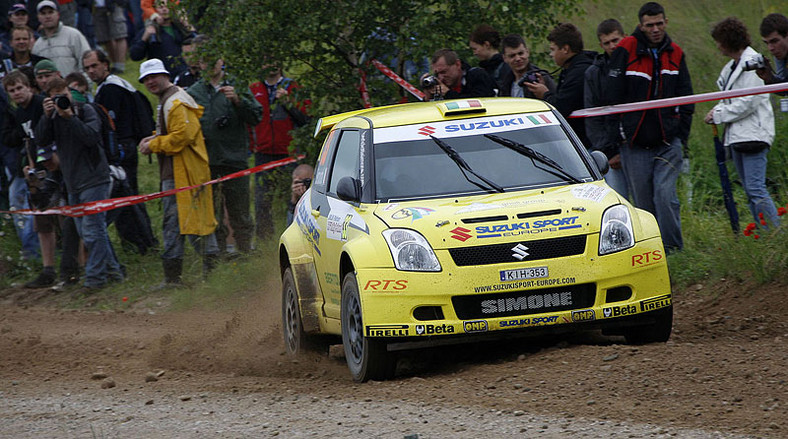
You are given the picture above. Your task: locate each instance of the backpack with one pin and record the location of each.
(108, 139)
(143, 124)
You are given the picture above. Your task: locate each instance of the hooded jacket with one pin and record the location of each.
(639, 74)
(183, 141)
(747, 118)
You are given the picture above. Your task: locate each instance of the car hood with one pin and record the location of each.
(515, 216)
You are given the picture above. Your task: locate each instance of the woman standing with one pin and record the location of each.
(749, 120)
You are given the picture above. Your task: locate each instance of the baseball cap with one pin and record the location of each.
(16, 7)
(44, 153)
(46, 4)
(45, 66)
(152, 67)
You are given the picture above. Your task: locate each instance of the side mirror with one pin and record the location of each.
(349, 189)
(601, 161)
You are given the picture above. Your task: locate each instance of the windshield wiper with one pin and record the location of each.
(463, 165)
(535, 155)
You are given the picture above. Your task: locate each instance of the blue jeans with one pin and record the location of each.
(17, 200)
(173, 239)
(652, 175)
(752, 171)
(616, 179)
(102, 264)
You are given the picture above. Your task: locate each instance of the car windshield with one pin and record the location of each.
(413, 166)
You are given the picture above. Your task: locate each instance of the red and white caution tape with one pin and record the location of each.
(92, 207)
(680, 100)
(398, 79)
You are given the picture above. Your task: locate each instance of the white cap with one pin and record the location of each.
(152, 67)
(45, 4)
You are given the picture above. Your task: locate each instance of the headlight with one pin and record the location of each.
(411, 252)
(616, 234)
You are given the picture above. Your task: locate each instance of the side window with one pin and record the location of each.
(324, 162)
(346, 161)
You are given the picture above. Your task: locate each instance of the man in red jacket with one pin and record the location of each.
(271, 138)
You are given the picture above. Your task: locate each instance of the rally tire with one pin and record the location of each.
(367, 358)
(296, 340)
(657, 332)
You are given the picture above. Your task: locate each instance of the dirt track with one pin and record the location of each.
(222, 374)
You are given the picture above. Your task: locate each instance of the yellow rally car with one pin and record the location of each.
(451, 221)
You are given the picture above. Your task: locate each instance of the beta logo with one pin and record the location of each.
(386, 285)
(646, 258)
(475, 326)
(619, 311)
(434, 329)
(583, 315)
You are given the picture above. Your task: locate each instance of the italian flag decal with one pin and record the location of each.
(539, 119)
(465, 104)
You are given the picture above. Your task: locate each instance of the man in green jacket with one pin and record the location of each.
(228, 109)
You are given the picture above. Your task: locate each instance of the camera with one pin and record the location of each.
(306, 182)
(429, 82)
(531, 77)
(754, 63)
(62, 101)
(222, 121)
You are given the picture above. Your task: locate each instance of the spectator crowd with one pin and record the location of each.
(73, 129)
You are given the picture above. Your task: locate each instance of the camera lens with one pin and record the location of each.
(62, 102)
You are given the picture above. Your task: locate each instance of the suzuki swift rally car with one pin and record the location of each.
(451, 221)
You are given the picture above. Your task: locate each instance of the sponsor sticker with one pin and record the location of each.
(647, 258)
(475, 326)
(386, 285)
(522, 303)
(656, 303)
(434, 329)
(590, 192)
(583, 315)
(619, 311)
(387, 331)
(523, 273)
(414, 213)
(527, 321)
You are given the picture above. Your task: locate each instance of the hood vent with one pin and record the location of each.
(541, 213)
(485, 219)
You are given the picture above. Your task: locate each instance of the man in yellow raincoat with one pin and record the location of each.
(183, 161)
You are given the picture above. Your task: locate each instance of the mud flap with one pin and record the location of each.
(310, 299)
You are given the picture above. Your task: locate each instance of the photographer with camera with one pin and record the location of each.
(302, 179)
(229, 108)
(774, 31)
(75, 129)
(516, 55)
(748, 120)
(453, 78)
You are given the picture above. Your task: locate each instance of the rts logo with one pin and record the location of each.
(426, 130)
(461, 234)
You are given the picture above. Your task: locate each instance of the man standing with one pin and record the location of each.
(62, 44)
(282, 112)
(228, 109)
(457, 79)
(516, 56)
(45, 72)
(21, 43)
(774, 30)
(649, 65)
(603, 131)
(183, 162)
(109, 21)
(75, 129)
(566, 49)
(118, 97)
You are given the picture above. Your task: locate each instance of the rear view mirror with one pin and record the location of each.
(601, 161)
(349, 189)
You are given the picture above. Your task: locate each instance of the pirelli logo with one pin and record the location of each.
(656, 303)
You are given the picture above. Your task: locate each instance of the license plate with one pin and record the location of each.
(523, 273)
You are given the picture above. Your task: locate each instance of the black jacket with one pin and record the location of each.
(568, 96)
(19, 124)
(496, 68)
(603, 131)
(475, 82)
(508, 81)
(636, 74)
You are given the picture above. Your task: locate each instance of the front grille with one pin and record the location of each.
(502, 253)
(519, 303)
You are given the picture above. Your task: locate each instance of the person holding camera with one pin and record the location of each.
(521, 70)
(453, 78)
(75, 129)
(229, 108)
(748, 120)
(774, 30)
(183, 162)
(302, 179)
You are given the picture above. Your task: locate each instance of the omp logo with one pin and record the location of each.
(583, 315)
(475, 326)
(426, 130)
(519, 252)
(461, 234)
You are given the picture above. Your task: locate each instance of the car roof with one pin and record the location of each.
(432, 111)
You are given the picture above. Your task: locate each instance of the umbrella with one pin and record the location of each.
(727, 194)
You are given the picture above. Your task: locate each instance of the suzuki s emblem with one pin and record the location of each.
(461, 234)
(519, 252)
(426, 130)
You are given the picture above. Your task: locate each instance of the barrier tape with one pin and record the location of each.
(93, 207)
(398, 79)
(680, 100)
